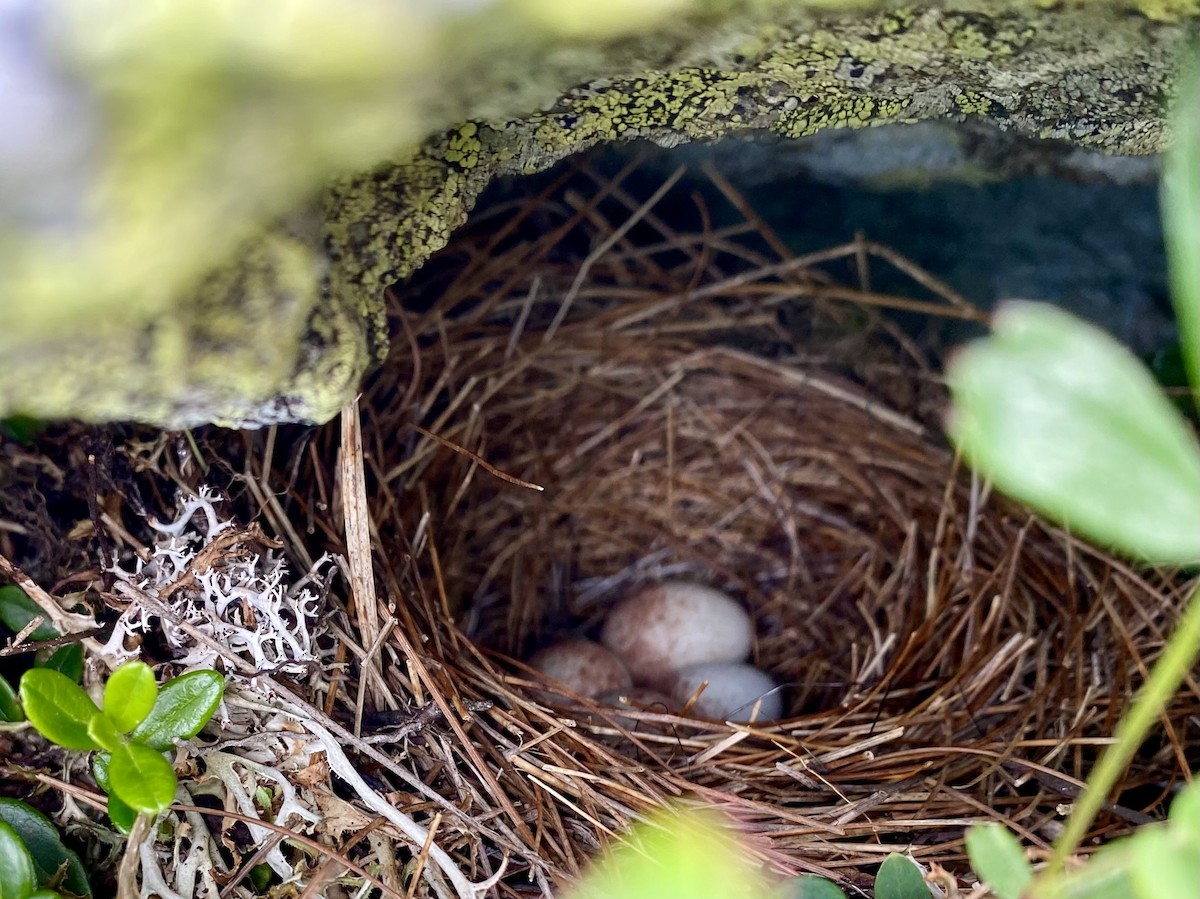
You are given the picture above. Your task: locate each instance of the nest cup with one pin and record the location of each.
(945, 655)
(796, 493)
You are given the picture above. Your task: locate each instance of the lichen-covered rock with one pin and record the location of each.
(286, 329)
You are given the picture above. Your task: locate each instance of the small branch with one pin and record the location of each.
(127, 885)
(357, 522)
(16, 646)
(478, 460)
(67, 623)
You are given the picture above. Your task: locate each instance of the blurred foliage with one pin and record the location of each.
(1181, 215)
(691, 853)
(1064, 418)
(182, 235)
(157, 137)
(998, 860)
(900, 877)
(200, 121)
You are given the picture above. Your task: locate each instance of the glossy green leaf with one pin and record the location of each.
(998, 860)
(1181, 215)
(105, 733)
(58, 708)
(45, 894)
(808, 886)
(261, 876)
(67, 660)
(17, 610)
(16, 865)
(183, 707)
(900, 878)
(142, 778)
(10, 706)
(45, 847)
(692, 854)
(121, 815)
(129, 695)
(1061, 416)
(100, 763)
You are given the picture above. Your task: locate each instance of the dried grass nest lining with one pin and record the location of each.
(948, 657)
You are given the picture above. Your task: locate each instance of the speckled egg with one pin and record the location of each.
(663, 628)
(586, 667)
(732, 691)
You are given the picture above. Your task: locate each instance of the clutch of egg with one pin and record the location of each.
(672, 637)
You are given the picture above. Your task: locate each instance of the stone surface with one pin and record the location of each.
(994, 215)
(286, 330)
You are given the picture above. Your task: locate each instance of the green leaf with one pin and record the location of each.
(121, 815)
(1181, 214)
(1061, 416)
(22, 428)
(998, 860)
(183, 707)
(16, 865)
(900, 878)
(45, 847)
(675, 853)
(1105, 875)
(142, 778)
(261, 876)
(68, 660)
(10, 707)
(100, 763)
(808, 886)
(58, 708)
(45, 894)
(129, 695)
(105, 733)
(17, 610)
(1163, 864)
(1185, 810)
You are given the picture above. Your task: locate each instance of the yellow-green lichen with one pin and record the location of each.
(1063, 73)
(463, 146)
(972, 103)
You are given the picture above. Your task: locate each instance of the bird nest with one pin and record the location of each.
(582, 402)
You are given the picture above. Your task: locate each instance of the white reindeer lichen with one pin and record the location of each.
(240, 599)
